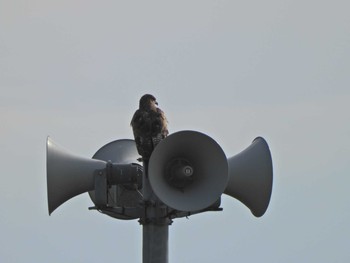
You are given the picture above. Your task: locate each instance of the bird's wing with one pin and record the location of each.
(141, 125)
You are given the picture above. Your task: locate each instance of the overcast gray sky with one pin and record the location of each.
(234, 70)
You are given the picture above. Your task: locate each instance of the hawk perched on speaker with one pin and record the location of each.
(149, 126)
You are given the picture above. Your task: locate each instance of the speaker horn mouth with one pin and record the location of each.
(179, 173)
(188, 171)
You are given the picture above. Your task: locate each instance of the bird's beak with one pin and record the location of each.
(156, 103)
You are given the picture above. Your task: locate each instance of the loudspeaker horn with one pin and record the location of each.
(68, 175)
(188, 171)
(122, 151)
(250, 176)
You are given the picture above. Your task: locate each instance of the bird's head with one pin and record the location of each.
(148, 102)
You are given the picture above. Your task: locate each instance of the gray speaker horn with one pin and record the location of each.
(68, 175)
(120, 152)
(188, 171)
(250, 176)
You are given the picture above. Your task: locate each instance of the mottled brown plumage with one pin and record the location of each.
(149, 126)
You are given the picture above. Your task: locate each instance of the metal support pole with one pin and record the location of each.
(155, 225)
(155, 243)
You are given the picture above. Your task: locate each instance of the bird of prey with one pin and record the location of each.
(149, 126)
